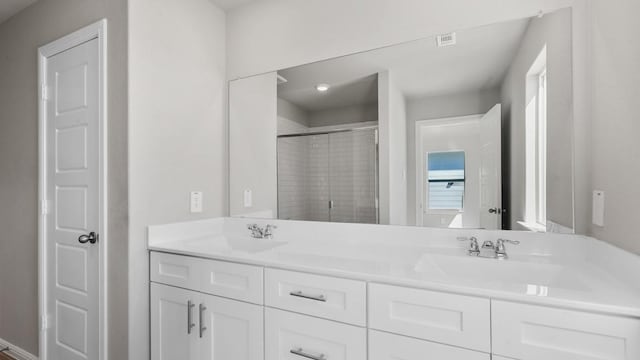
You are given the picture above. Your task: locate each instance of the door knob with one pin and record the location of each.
(91, 238)
(494, 211)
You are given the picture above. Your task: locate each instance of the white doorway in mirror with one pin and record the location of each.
(459, 179)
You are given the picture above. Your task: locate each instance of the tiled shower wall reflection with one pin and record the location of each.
(314, 170)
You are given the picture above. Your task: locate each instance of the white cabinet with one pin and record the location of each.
(435, 316)
(173, 335)
(290, 336)
(529, 332)
(213, 310)
(188, 325)
(383, 346)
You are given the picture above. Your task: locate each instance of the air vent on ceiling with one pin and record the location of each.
(446, 39)
(281, 79)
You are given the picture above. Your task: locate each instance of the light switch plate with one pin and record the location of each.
(196, 201)
(598, 208)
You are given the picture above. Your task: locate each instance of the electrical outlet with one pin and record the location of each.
(196, 201)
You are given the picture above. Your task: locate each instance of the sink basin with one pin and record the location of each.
(234, 244)
(531, 275)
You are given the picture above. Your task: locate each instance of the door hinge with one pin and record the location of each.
(44, 92)
(44, 322)
(44, 207)
(377, 137)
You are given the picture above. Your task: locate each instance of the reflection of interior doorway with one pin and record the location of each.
(458, 182)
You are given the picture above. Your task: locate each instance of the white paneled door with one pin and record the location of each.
(72, 140)
(491, 169)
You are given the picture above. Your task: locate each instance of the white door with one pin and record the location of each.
(72, 172)
(174, 323)
(491, 169)
(230, 329)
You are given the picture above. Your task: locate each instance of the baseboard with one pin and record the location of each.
(16, 352)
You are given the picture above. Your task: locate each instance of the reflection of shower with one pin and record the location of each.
(331, 176)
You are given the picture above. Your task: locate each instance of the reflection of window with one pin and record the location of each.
(445, 180)
(536, 144)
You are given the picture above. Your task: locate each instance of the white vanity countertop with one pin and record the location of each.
(557, 270)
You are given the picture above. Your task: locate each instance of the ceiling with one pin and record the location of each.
(480, 60)
(8, 8)
(231, 4)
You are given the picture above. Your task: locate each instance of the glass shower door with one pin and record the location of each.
(353, 176)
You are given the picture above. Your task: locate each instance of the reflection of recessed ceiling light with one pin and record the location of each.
(322, 87)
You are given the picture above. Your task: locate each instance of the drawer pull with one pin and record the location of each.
(190, 324)
(202, 327)
(302, 353)
(310, 297)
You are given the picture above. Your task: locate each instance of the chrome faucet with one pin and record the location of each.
(499, 250)
(261, 233)
(474, 248)
(268, 231)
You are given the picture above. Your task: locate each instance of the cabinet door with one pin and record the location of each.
(230, 329)
(383, 346)
(174, 332)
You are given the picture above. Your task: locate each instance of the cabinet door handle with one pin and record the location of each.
(307, 296)
(300, 352)
(202, 327)
(190, 324)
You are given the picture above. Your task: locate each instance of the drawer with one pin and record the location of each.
(175, 270)
(231, 280)
(290, 336)
(384, 346)
(530, 332)
(327, 297)
(445, 318)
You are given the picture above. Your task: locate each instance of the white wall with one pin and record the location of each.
(615, 57)
(392, 127)
(177, 134)
(344, 115)
(291, 118)
(554, 31)
(452, 105)
(439, 107)
(253, 128)
(272, 35)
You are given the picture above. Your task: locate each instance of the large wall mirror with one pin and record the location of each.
(469, 129)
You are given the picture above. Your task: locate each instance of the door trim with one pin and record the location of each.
(97, 31)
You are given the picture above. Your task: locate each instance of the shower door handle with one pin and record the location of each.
(330, 204)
